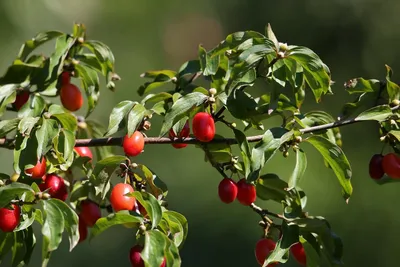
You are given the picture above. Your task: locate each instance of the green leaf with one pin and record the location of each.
(250, 57)
(90, 82)
(244, 150)
(8, 126)
(13, 190)
(208, 64)
(27, 218)
(241, 105)
(6, 243)
(33, 108)
(66, 143)
(157, 186)
(117, 116)
(90, 60)
(299, 169)
(45, 136)
(266, 148)
(47, 84)
(393, 89)
(313, 258)
(271, 36)
(121, 217)
(35, 42)
(189, 67)
(270, 187)
(135, 118)
(313, 68)
(156, 246)
(102, 173)
(378, 113)
(96, 130)
(8, 95)
(30, 243)
(26, 125)
(360, 85)
(66, 119)
(178, 226)
(180, 109)
(336, 158)
(150, 204)
(290, 235)
(156, 97)
(53, 226)
(220, 153)
(70, 220)
(106, 59)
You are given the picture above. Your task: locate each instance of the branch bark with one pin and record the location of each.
(117, 141)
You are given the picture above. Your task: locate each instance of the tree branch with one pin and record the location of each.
(117, 141)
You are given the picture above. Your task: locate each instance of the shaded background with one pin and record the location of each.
(355, 38)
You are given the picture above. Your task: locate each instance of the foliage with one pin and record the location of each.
(288, 73)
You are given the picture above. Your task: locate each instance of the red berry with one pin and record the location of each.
(375, 167)
(65, 78)
(133, 145)
(227, 190)
(164, 262)
(56, 186)
(90, 212)
(246, 192)
(299, 254)
(136, 258)
(182, 135)
(263, 248)
(38, 170)
(118, 199)
(71, 97)
(9, 218)
(391, 165)
(203, 127)
(21, 99)
(83, 231)
(84, 151)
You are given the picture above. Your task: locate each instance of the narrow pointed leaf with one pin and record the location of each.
(336, 158)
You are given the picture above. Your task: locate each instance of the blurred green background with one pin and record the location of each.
(355, 38)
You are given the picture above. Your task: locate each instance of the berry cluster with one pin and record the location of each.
(388, 164)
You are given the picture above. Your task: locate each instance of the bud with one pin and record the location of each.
(211, 99)
(142, 228)
(82, 125)
(174, 79)
(146, 125)
(213, 91)
(81, 40)
(74, 61)
(233, 125)
(283, 46)
(46, 196)
(14, 177)
(286, 154)
(134, 165)
(281, 54)
(395, 103)
(1, 182)
(298, 139)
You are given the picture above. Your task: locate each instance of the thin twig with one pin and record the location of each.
(263, 213)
